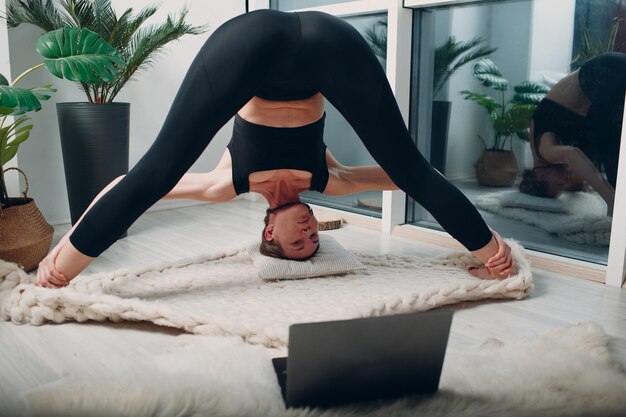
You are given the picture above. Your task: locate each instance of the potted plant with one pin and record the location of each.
(449, 57)
(497, 166)
(71, 53)
(95, 133)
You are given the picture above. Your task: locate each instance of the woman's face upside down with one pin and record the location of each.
(295, 228)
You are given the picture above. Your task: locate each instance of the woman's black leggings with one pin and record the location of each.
(243, 56)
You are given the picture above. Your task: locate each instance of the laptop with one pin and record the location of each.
(339, 362)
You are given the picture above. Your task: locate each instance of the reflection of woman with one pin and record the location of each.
(577, 128)
(271, 70)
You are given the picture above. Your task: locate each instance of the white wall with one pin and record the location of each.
(505, 26)
(150, 98)
(549, 60)
(466, 118)
(551, 45)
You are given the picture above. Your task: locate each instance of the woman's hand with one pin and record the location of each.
(500, 265)
(47, 274)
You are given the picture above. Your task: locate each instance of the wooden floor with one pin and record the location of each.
(33, 356)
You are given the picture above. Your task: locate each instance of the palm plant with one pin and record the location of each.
(452, 55)
(449, 57)
(508, 117)
(71, 53)
(138, 45)
(591, 48)
(376, 36)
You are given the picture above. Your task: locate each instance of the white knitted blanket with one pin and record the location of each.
(221, 293)
(585, 221)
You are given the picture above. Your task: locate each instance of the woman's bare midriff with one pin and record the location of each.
(282, 114)
(294, 113)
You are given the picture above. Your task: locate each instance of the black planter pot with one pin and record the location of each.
(94, 141)
(439, 134)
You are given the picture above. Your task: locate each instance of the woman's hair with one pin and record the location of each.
(539, 181)
(531, 185)
(270, 248)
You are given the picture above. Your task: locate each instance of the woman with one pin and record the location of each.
(271, 70)
(577, 128)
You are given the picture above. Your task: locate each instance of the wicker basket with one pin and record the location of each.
(496, 168)
(25, 236)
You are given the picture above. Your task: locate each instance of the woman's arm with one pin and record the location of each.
(580, 165)
(496, 255)
(65, 262)
(350, 180)
(213, 187)
(344, 179)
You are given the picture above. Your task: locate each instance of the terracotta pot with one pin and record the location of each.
(496, 168)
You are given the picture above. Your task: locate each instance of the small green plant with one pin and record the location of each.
(138, 45)
(71, 53)
(508, 116)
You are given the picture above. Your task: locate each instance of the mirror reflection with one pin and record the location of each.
(526, 115)
(343, 141)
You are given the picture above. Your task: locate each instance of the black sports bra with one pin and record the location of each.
(255, 148)
(550, 116)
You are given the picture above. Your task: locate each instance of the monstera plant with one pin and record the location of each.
(509, 117)
(95, 133)
(71, 53)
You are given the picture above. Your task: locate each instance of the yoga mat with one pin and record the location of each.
(221, 293)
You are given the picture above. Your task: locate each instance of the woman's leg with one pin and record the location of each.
(343, 67)
(222, 78)
(613, 141)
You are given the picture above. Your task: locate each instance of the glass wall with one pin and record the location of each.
(341, 139)
(492, 63)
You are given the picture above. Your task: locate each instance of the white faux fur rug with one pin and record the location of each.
(585, 222)
(221, 293)
(566, 372)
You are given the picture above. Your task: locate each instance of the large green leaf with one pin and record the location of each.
(3, 81)
(79, 55)
(11, 137)
(529, 92)
(17, 100)
(516, 119)
(484, 100)
(42, 92)
(490, 75)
